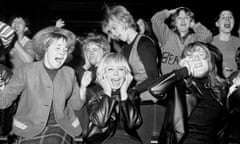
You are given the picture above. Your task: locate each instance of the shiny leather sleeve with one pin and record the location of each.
(161, 85)
(130, 114)
(100, 109)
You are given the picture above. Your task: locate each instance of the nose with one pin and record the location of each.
(115, 72)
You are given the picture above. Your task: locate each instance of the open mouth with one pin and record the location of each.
(227, 25)
(116, 82)
(59, 60)
(198, 65)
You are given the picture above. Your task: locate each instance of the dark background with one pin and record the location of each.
(82, 16)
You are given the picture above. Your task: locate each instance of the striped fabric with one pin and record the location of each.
(52, 134)
(6, 34)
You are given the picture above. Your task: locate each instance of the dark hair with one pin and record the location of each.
(176, 14)
(25, 19)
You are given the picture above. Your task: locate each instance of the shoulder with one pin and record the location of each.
(29, 69)
(145, 39)
(94, 93)
(68, 69)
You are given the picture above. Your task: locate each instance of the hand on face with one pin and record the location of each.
(236, 81)
(103, 82)
(125, 85)
(185, 63)
(87, 64)
(86, 78)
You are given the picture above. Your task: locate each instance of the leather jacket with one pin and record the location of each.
(107, 114)
(183, 95)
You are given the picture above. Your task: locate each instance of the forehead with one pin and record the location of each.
(199, 49)
(115, 66)
(182, 13)
(93, 45)
(18, 20)
(226, 13)
(59, 42)
(113, 22)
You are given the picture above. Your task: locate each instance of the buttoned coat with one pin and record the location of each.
(37, 93)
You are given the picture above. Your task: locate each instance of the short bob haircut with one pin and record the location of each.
(111, 58)
(119, 13)
(176, 14)
(97, 39)
(44, 38)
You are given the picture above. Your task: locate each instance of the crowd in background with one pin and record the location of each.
(166, 80)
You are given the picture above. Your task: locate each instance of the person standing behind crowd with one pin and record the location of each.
(226, 42)
(94, 47)
(172, 41)
(22, 52)
(140, 51)
(112, 107)
(48, 92)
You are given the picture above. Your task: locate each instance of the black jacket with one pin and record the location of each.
(183, 95)
(107, 114)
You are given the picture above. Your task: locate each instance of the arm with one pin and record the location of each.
(202, 33)
(100, 108)
(13, 89)
(160, 29)
(148, 56)
(24, 55)
(6, 34)
(162, 84)
(79, 94)
(130, 112)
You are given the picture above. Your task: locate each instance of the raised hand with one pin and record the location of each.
(87, 64)
(125, 85)
(185, 63)
(103, 82)
(172, 11)
(86, 79)
(60, 23)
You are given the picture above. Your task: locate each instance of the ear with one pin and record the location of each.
(26, 29)
(217, 24)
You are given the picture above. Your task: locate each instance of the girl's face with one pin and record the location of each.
(198, 61)
(19, 24)
(94, 53)
(56, 54)
(115, 75)
(183, 22)
(226, 21)
(117, 30)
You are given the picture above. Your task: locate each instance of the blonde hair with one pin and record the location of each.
(98, 39)
(119, 13)
(112, 59)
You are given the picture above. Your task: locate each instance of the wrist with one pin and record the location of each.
(124, 95)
